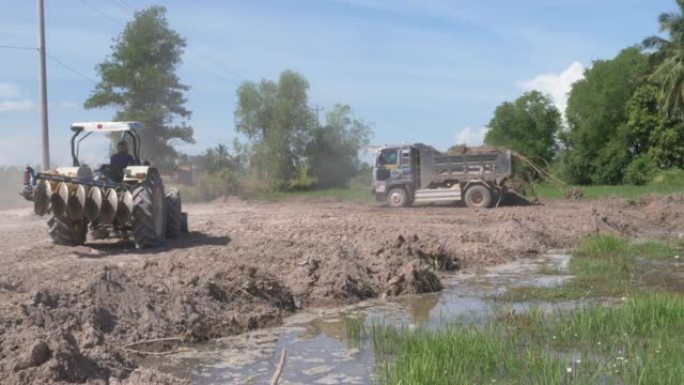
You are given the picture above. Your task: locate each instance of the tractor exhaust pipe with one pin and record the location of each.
(93, 204)
(41, 198)
(125, 209)
(59, 199)
(76, 202)
(110, 204)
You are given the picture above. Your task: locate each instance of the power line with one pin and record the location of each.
(219, 65)
(71, 69)
(126, 5)
(98, 10)
(56, 60)
(19, 47)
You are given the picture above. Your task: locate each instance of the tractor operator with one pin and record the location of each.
(122, 158)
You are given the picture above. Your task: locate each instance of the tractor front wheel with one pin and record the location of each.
(174, 213)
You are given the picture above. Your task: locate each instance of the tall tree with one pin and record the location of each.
(651, 132)
(333, 153)
(139, 79)
(276, 118)
(528, 125)
(595, 146)
(669, 56)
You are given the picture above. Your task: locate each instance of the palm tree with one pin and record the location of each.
(669, 58)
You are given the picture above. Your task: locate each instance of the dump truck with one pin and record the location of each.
(417, 173)
(128, 202)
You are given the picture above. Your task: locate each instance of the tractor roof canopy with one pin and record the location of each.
(85, 129)
(106, 126)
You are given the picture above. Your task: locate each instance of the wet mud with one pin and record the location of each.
(80, 315)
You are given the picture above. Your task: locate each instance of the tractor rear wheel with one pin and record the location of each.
(65, 231)
(149, 219)
(174, 213)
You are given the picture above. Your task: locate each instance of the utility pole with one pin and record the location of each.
(43, 86)
(317, 109)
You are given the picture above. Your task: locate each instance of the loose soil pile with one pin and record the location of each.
(81, 315)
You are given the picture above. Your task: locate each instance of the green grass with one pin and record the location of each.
(635, 340)
(547, 191)
(636, 343)
(667, 182)
(603, 266)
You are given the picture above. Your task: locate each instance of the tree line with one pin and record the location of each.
(285, 145)
(624, 120)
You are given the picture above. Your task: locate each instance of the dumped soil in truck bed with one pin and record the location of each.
(84, 314)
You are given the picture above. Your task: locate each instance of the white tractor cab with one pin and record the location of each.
(127, 202)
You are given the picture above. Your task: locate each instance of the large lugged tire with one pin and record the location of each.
(149, 219)
(478, 196)
(65, 231)
(397, 197)
(174, 213)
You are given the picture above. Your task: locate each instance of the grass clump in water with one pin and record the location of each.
(638, 342)
(603, 266)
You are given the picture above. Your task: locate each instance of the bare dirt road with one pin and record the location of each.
(74, 315)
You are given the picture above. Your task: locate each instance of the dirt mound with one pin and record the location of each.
(666, 212)
(340, 276)
(346, 275)
(609, 219)
(95, 324)
(53, 358)
(411, 265)
(403, 249)
(515, 234)
(413, 278)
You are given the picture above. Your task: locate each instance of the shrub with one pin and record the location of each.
(640, 171)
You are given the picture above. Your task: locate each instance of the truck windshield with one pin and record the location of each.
(387, 157)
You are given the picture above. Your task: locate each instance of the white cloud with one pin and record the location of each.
(11, 99)
(8, 90)
(16, 105)
(65, 105)
(556, 85)
(471, 136)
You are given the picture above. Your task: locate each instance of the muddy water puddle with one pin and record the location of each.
(319, 350)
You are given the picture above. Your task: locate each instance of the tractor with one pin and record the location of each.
(127, 200)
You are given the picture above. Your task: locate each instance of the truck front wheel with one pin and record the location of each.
(478, 196)
(397, 197)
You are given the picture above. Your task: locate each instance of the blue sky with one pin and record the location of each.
(429, 71)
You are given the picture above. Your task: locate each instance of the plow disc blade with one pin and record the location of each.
(125, 209)
(41, 198)
(76, 202)
(93, 204)
(110, 204)
(59, 199)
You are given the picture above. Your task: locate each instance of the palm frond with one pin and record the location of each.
(656, 42)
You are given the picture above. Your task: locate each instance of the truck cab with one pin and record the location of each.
(396, 167)
(417, 173)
